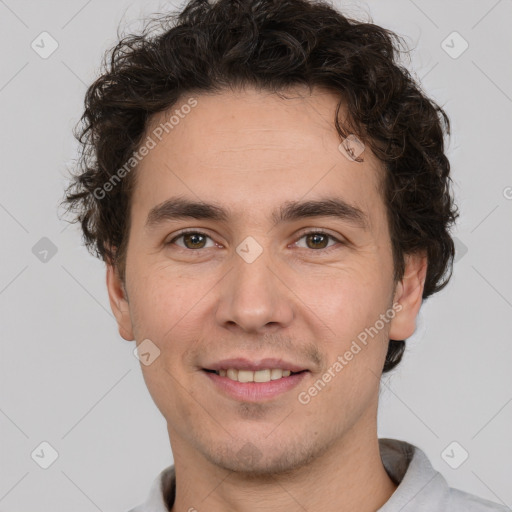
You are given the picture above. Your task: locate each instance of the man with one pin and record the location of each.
(269, 191)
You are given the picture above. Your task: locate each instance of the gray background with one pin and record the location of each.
(67, 378)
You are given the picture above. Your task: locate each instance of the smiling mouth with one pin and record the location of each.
(245, 376)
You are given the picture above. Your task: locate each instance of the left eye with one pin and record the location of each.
(318, 240)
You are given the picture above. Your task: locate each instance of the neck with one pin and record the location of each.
(337, 481)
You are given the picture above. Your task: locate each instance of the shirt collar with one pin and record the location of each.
(420, 487)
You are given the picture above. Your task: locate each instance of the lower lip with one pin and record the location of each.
(255, 391)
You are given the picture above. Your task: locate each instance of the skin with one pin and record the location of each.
(250, 152)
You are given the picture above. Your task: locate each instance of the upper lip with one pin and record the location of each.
(241, 363)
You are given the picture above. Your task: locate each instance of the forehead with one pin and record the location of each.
(251, 149)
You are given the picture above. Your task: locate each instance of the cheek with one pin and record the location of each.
(166, 312)
(172, 310)
(346, 297)
(347, 303)
(162, 300)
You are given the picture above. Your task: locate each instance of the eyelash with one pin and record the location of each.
(306, 233)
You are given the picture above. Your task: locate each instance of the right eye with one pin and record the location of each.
(192, 240)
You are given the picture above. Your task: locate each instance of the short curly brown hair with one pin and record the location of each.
(212, 46)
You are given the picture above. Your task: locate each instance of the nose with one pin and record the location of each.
(253, 298)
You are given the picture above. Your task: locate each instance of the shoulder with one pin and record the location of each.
(162, 493)
(463, 501)
(421, 488)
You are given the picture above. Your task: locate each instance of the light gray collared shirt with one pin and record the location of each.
(420, 487)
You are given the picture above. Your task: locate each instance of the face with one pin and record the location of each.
(284, 264)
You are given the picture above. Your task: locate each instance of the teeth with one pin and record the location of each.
(245, 376)
(262, 376)
(276, 374)
(257, 376)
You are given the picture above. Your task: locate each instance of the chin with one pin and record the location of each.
(256, 460)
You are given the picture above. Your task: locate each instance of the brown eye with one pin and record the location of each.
(194, 240)
(191, 240)
(317, 240)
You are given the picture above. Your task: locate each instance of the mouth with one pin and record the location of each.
(247, 381)
(265, 375)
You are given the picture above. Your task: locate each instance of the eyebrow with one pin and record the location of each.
(177, 208)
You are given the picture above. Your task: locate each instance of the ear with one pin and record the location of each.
(408, 294)
(119, 303)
